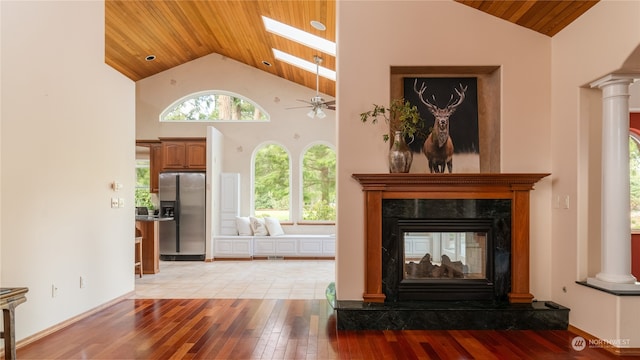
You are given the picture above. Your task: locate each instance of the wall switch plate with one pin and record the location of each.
(120, 202)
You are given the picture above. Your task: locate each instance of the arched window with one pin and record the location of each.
(634, 178)
(319, 183)
(271, 182)
(214, 105)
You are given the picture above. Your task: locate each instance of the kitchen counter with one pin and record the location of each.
(152, 218)
(149, 230)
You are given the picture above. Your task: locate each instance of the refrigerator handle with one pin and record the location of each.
(176, 213)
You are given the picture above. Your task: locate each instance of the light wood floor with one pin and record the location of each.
(257, 279)
(276, 329)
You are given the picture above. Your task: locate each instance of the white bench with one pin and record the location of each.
(285, 246)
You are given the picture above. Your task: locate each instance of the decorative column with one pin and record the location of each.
(616, 223)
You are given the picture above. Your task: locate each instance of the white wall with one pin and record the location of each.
(67, 133)
(290, 128)
(598, 43)
(372, 37)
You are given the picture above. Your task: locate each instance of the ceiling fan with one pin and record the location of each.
(317, 103)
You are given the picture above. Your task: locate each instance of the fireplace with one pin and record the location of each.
(382, 189)
(447, 251)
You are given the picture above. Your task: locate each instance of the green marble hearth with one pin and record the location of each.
(451, 315)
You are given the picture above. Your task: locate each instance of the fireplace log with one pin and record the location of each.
(426, 269)
(452, 269)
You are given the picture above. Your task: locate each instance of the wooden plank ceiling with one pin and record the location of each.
(177, 32)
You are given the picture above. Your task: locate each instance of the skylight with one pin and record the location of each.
(299, 36)
(304, 64)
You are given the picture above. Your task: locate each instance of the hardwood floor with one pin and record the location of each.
(276, 329)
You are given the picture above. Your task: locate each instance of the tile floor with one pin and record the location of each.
(257, 279)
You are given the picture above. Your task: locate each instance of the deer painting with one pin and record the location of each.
(438, 148)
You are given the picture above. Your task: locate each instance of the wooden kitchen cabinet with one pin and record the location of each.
(196, 157)
(155, 165)
(184, 154)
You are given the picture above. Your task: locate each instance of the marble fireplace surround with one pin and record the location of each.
(511, 186)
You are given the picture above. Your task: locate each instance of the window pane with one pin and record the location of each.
(319, 183)
(271, 182)
(212, 107)
(634, 182)
(143, 194)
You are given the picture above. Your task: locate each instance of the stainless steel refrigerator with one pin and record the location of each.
(182, 197)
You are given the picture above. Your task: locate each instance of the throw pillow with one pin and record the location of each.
(243, 225)
(273, 226)
(258, 227)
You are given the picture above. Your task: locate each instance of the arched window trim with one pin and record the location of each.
(634, 134)
(301, 183)
(253, 175)
(169, 108)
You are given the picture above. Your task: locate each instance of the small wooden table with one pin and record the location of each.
(9, 299)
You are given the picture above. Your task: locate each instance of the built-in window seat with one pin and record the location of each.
(280, 246)
(264, 238)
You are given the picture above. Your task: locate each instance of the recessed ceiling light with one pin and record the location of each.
(265, 62)
(318, 25)
(150, 57)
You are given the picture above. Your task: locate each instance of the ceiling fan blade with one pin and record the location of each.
(300, 107)
(317, 103)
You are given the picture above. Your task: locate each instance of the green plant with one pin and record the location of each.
(400, 115)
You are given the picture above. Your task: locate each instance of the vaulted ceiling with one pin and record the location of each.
(176, 32)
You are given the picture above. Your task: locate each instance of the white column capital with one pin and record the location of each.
(613, 79)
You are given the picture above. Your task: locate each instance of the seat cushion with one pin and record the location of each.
(258, 226)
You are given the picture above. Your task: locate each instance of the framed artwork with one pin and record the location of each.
(450, 133)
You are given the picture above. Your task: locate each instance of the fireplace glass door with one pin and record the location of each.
(445, 255)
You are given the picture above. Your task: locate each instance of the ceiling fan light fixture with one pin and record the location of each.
(311, 113)
(320, 114)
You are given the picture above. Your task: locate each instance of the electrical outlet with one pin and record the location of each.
(114, 202)
(54, 290)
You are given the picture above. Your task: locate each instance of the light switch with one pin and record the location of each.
(120, 202)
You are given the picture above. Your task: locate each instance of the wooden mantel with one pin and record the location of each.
(448, 186)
